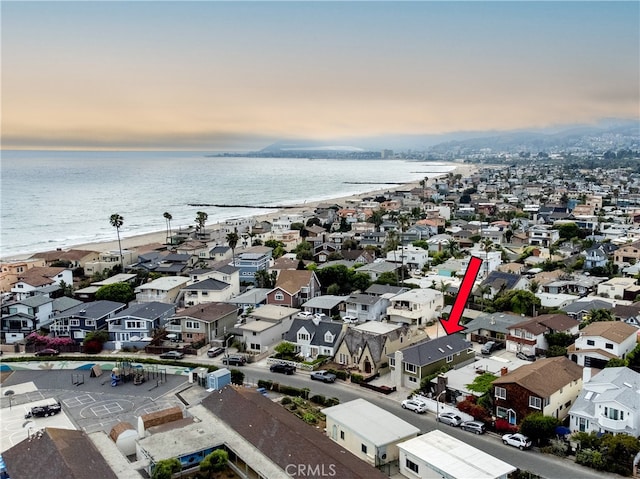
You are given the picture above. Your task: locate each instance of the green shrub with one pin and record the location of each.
(309, 418)
(318, 399)
(332, 402)
(262, 383)
(357, 378)
(285, 400)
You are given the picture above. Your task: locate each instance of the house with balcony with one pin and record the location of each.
(39, 306)
(365, 347)
(17, 326)
(328, 304)
(72, 258)
(355, 426)
(601, 341)
(595, 257)
(266, 327)
(366, 307)
(627, 254)
(549, 386)
(206, 291)
(608, 403)
(175, 264)
(35, 280)
(109, 259)
(11, 270)
(619, 288)
(489, 326)
(221, 271)
(294, 287)
(529, 336)
(207, 321)
(411, 257)
(250, 261)
(139, 321)
(79, 320)
(412, 363)
(315, 337)
(416, 307)
(543, 235)
(220, 253)
(165, 289)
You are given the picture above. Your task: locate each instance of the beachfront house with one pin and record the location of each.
(252, 260)
(76, 322)
(109, 259)
(36, 280)
(139, 321)
(208, 322)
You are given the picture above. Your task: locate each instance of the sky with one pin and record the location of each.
(210, 75)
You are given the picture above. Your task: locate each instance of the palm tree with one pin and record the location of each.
(486, 245)
(403, 222)
(117, 221)
(201, 219)
(168, 218)
(232, 239)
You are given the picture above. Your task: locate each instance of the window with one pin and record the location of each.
(342, 435)
(255, 347)
(342, 358)
(279, 296)
(501, 393)
(413, 379)
(392, 362)
(410, 368)
(591, 342)
(502, 412)
(303, 337)
(608, 345)
(192, 324)
(450, 358)
(134, 324)
(364, 448)
(90, 322)
(613, 414)
(535, 402)
(412, 466)
(74, 322)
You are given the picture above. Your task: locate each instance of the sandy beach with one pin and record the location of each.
(142, 240)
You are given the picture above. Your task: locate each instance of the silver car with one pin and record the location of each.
(476, 427)
(449, 418)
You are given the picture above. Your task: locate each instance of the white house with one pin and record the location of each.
(37, 279)
(207, 291)
(438, 455)
(165, 289)
(601, 341)
(609, 402)
(411, 256)
(266, 326)
(615, 287)
(313, 337)
(416, 306)
(368, 431)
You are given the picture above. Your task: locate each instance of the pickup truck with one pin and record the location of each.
(44, 411)
(323, 375)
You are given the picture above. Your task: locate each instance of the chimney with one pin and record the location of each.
(586, 374)
(504, 371)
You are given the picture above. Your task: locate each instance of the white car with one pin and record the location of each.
(517, 440)
(414, 405)
(305, 315)
(349, 319)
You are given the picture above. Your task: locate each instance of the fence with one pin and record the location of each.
(305, 367)
(440, 407)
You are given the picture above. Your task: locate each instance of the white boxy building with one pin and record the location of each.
(437, 455)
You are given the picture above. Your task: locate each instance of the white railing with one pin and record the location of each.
(440, 407)
(306, 367)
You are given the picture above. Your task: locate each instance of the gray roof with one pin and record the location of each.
(219, 249)
(356, 340)
(94, 310)
(361, 298)
(64, 302)
(380, 267)
(498, 322)
(326, 301)
(209, 284)
(499, 279)
(152, 310)
(582, 306)
(251, 296)
(433, 350)
(380, 289)
(317, 331)
(35, 301)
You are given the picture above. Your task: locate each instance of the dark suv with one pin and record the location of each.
(44, 411)
(282, 368)
(234, 360)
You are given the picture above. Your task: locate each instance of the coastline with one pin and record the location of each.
(152, 238)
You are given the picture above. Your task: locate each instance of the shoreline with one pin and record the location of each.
(155, 237)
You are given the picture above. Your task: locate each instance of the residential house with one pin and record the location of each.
(76, 322)
(580, 285)
(207, 321)
(437, 454)
(365, 347)
(206, 291)
(165, 289)
(583, 307)
(377, 268)
(412, 363)
(139, 321)
(70, 258)
(175, 264)
(411, 257)
(294, 287)
(367, 431)
(416, 306)
(366, 307)
(630, 313)
(110, 259)
(315, 337)
(20, 318)
(266, 327)
(373, 238)
(490, 327)
(543, 235)
(34, 280)
(251, 299)
(548, 386)
(11, 270)
(328, 304)
(193, 248)
(17, 326)
(608, 403)
(251, 260)
(498, 282)
(220, 253)
(595, 257)
(627, 254)
(601, 341)
(529, 336)
(89, 293)
(619, 288)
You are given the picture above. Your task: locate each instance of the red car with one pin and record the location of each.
(47, 352)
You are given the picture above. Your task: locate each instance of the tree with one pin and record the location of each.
(482, 384)
(201, 219)
(569, 230)
(167, 216)
(285, 349)
(166, 468)
(538, 427)
(216, 461)
(237, 377)
(66, 289)
(232, 240)
(119, 292)
(117, 221)
(486, 245)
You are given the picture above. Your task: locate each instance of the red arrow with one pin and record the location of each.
(452, 324)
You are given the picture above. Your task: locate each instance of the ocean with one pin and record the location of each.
(57, 199)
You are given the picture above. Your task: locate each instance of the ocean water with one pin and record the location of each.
(54, 199)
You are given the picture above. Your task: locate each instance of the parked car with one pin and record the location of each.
(282, 368)
(414, 405)
(476, 427)
(526, 357)
(450, 418)
(44, 411)
(234, 360)
(47, 352)
(172, 355)
(305, 315)
(323, 375)
(517, 440)
(213, 352)
(489, 347)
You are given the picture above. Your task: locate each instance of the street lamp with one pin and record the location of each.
(226, 345)
(438, 405)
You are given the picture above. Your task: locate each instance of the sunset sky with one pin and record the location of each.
(240, 75)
